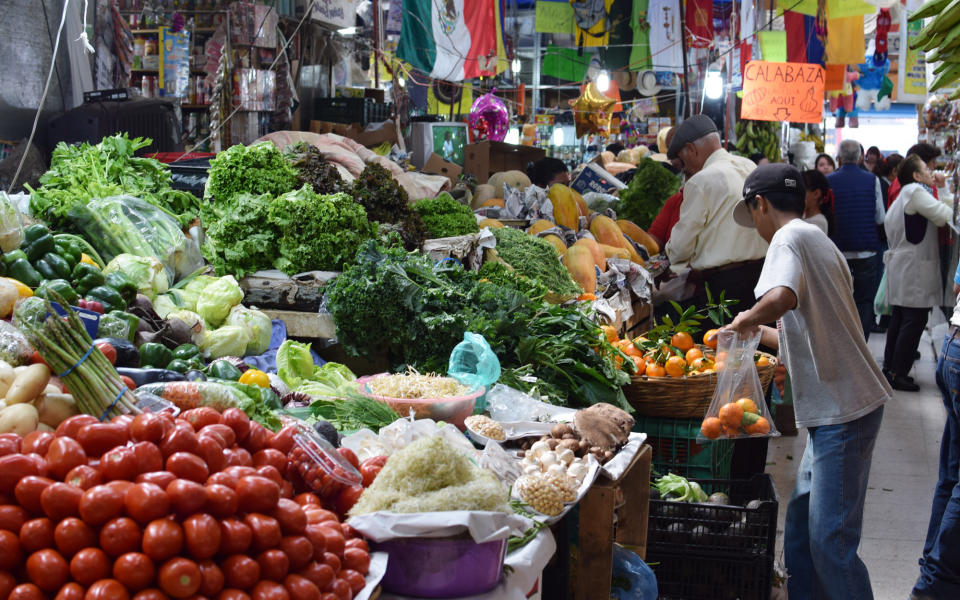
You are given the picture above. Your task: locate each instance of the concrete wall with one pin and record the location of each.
(25, 51)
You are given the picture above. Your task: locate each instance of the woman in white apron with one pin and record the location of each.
(913, 267)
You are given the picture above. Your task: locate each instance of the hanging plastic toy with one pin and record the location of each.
(489, 118)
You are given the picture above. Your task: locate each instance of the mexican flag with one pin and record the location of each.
(441, 39)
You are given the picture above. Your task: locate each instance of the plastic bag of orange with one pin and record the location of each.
(738, 409)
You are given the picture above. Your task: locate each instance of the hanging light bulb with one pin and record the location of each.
(515, 65)
(558, 136)
(603, 81)
(402, 81)
(713, 85)
(513, 136)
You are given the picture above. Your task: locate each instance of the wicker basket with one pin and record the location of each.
(681, 397)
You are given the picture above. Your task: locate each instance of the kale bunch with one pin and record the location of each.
(649, 189)
(312, 168)
(445, 217)
(386, 202)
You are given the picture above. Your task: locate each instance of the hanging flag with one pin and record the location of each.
(796, 37)
(699, 23)
(815, 47)
(443, 40)
(845, 41)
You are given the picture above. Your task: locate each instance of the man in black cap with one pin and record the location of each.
(838, 388)
(706, 239)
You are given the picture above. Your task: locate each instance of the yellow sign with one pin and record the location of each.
(554, 17)
(912, 79)
(773, 45)
(782, 91)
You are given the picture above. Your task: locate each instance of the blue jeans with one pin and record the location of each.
(825, 513)
(866, 273)
(940, 564)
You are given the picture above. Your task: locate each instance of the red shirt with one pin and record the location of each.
(668, 216)
(894, 191)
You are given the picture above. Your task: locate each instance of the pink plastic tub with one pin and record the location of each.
(442, 567)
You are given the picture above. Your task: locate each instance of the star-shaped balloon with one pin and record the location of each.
(591, 111)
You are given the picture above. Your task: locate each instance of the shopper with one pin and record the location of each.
(819, 200)
(548, 171)
(858, 210)
(662, 225)
(913, 267)
(940, 564)
(872, 158)
(825, 164)
(838, 389)
(929, 154)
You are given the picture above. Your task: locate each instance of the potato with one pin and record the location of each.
(56, 408)
(28, 384)
(8, 297)
(45, 427)
(19, 418)
(7, 376)
(52, 389)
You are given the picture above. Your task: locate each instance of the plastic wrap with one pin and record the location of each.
(11, 226)
(14, 347)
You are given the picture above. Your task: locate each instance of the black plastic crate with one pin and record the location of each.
(686, 576)
(351, 110)
(732, 531)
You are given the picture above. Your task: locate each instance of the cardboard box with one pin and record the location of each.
(485, 158)
(437, 166)
(594, 178)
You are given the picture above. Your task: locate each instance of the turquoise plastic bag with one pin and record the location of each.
(473, 363)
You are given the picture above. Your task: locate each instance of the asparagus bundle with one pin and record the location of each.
(65, 346)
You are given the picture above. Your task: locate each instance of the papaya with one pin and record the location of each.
(495, 224)
(579, 261)
(607, 232)
(635, 233)
(541, 225)
(581, 203)
(614, 252)
(556, 242)
(493, 202)
(483, 193)
(634, 255)
(598, 257)
(565, 211)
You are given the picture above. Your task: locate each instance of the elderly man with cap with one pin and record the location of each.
(838, 389)
(706, 239)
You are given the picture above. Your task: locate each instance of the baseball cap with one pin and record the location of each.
(690, 130)
(772, 180)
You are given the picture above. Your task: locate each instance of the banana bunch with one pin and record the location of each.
(940, 39)
(759, 136)
(812, 137)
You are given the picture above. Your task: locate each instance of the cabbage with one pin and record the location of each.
(164, 305)
(193, 321)
(257, 323)
(294, 363)
(229, 340)
(146, 271)
(217, 299)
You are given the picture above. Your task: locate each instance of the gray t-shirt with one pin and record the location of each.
(832, 373)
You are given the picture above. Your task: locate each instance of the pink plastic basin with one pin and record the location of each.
(442, 567)
(450, 410)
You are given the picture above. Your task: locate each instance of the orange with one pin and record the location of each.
(731, 414)
(676, 366)
(761, 427)
(630, 349)
(682, 341)
(655, 370)
(639, 339)
(763, 361)
(640, 364)
(748, 405)
(711, 428)
(731, 432)
(693, 353)
(697, 364)
(710, 338)
(610, 333)
(718, 366)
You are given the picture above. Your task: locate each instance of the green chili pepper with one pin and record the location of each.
(186, 351)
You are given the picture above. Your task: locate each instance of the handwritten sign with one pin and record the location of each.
(774, 91)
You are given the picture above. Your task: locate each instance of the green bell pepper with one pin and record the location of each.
(34, 232)
(222, 369)
(69, 250)
(11, 257)
(23, 271)
(38, 247)
(155, 355)
(119, 281)
(52, 266)
(186, 352)
(61, 287)
(107, 296)
(86, 277)
(179, 365)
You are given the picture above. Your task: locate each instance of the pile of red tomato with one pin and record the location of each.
(153, 507)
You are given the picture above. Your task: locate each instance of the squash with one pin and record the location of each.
(579, 261)
(598, 257)
(493, 202)
(514, 179)
(556, 242)
(541, 225)
(493, 223)
(581, 203)
(614, 252)
(635, 233)
(565, 210)
(484, 192)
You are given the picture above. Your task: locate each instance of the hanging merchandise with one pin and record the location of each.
(846, 42)
(590, 18)
(592, 111)
(880, 41)
(699, 23)
(666, 47)
(640, 49)
(840, 101)
(869, 84)
(446, 42)
(814, 40)
(796, 36)
(489, 118)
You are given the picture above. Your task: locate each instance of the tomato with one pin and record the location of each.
(186, 497)
(257, 494)
(89, 565)
(307, 499)
(342, 589)
(358, 543)
(127, 381)
(125, 420)
(83, 476)
(162, 539)
(271, 473)
(120, 485)
(100, 504)
(241, 571)
(223, 478)
(28, 491)
(319, 573)
(12, 517)
(223, 433)
(10, 553)
(351, 456)
(355, 579)
(149, 458)
(232, 594)
(72, 535)
(120, 536)
(333, 560)
(107, 589)
(71, 591)
(119, 463)
(60, 500)
(336, 542)
(211, 453)
(283, 439)
(37, 442)
(317, 515)
(274, 565)
(221, 500)
(238, 421)
(290, 515)
(36, 534)
(201, 417)
(356, 559)
(26, 591)
(179, 577)
(257, 438)
(187, 466)
(151, 594)
(243, 457)
(240, 471)
(370, 468)
(347, 497)
(145, 502)
(63, 454)
(10, 443)
(179, 439)
(211, 578)
(269, 590)
(159, 478)
(71, 426)
(13, 468)
(298, 549)
(266, 531)
(134, 570)
(201, 533)
(318, 539)
(97, 438)
(147, 427)
(301, 588)
(235, 536)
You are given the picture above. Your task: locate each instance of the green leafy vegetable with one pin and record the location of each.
(649, 189)
(445, 217)
(536, 259)
(257, 169)
(388, 203)
(294, 363)
(314, 170)
(677, 488)
(240, 238)
(353, 413)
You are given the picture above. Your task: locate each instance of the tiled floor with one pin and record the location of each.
(902, 477)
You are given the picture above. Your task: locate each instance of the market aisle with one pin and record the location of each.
(901, 480)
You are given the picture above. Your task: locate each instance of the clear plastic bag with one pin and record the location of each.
(11, 225)
(738, 409)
